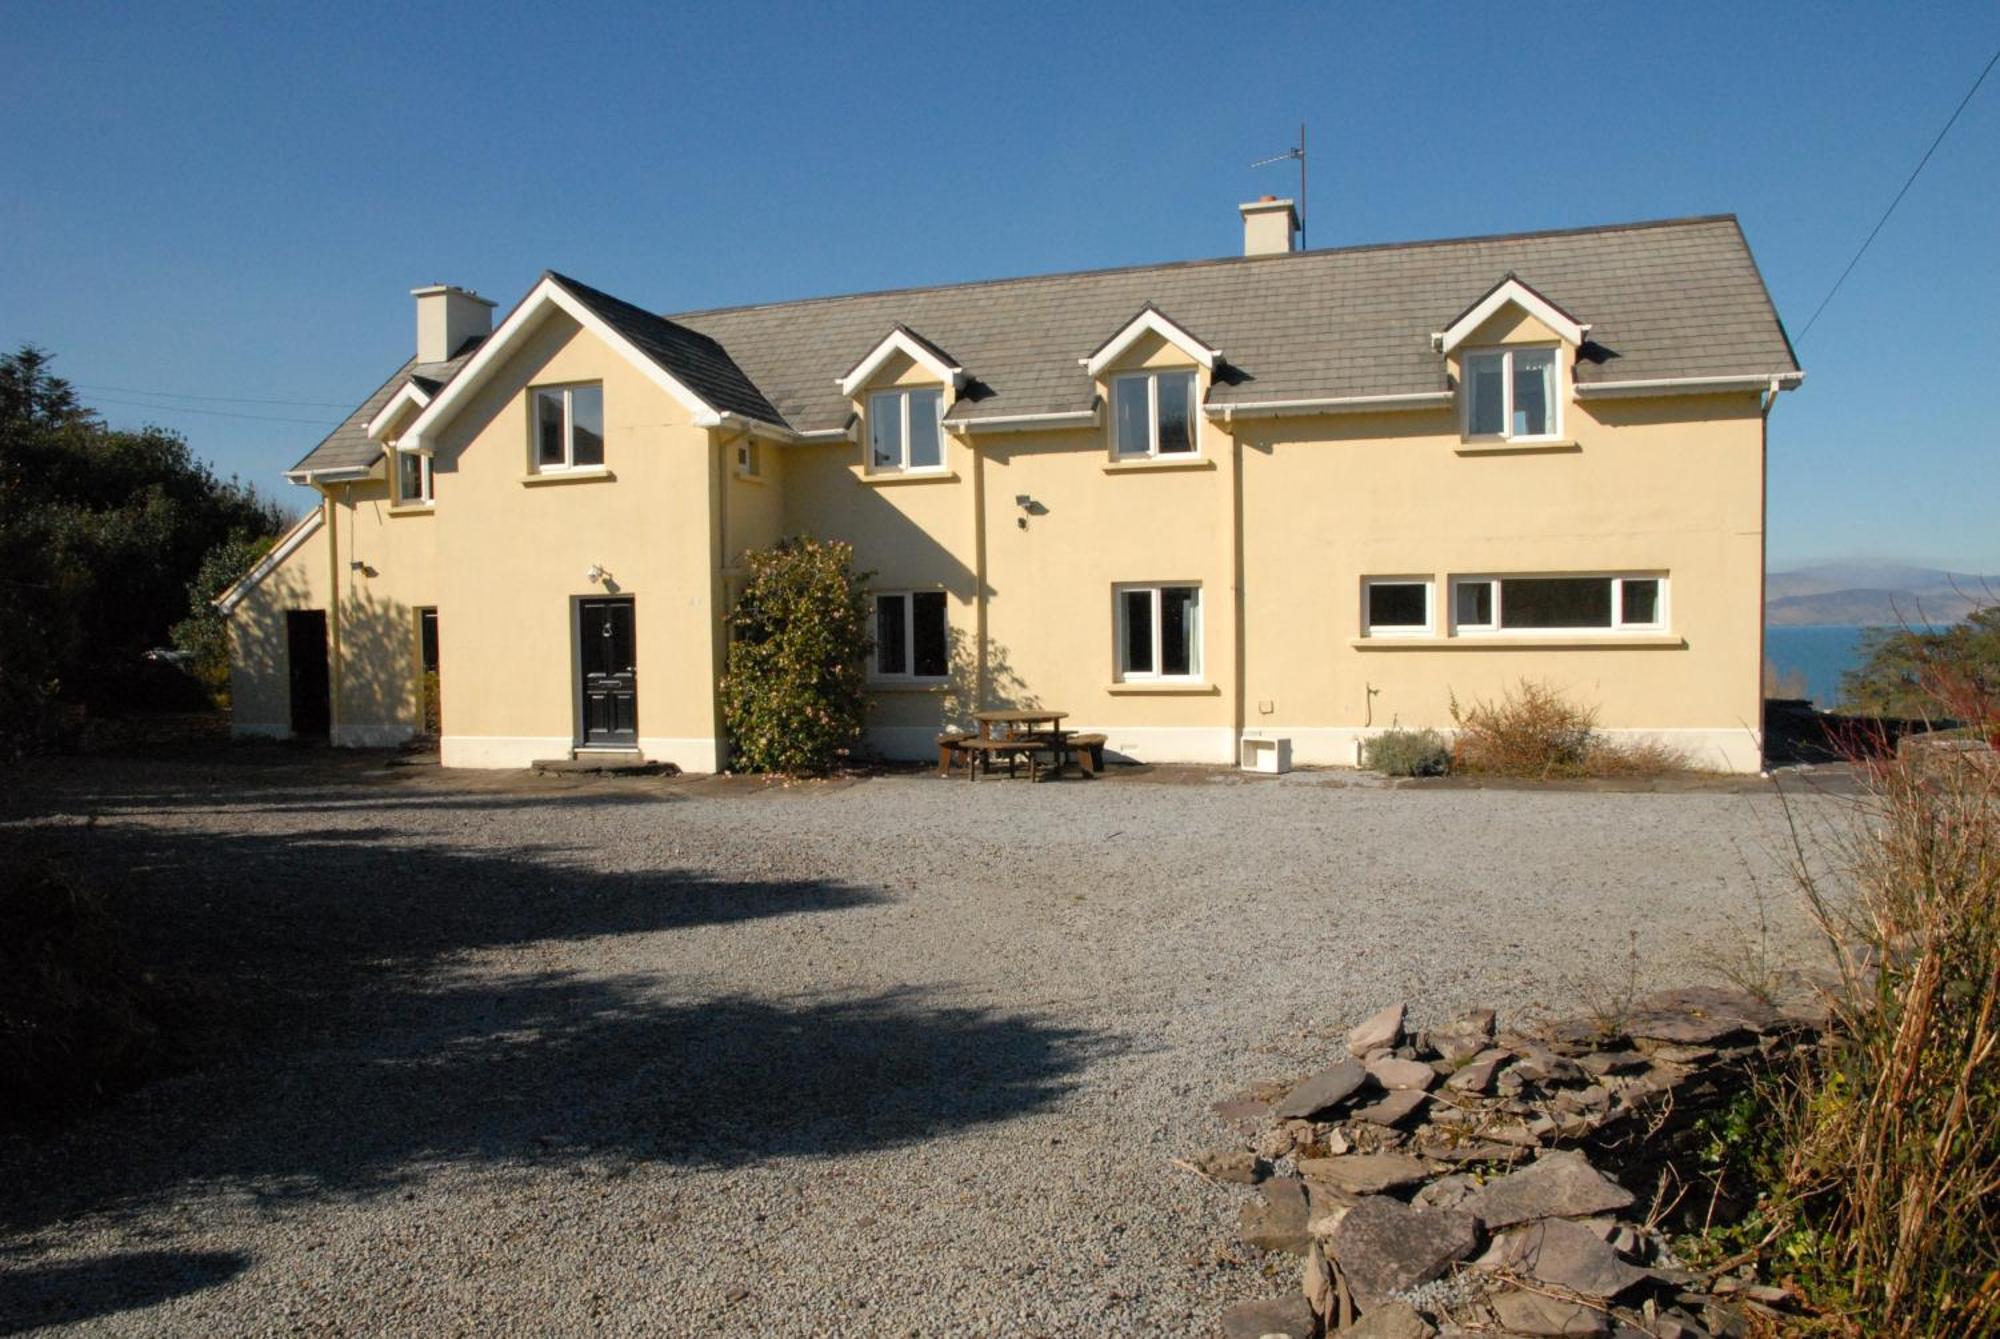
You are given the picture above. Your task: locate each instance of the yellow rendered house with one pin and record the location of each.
(1293, 495)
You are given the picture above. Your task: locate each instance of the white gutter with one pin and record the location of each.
(1075, 418)
(305, 528)
(755, 427)
(1688, 385)
(1345, 404)
(337, 475)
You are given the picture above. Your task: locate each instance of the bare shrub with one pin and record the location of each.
(1535, 731)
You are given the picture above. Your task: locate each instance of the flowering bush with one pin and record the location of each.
(793, 692)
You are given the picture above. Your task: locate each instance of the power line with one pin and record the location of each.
(218, 413)
(1900, 194)
(220, 399)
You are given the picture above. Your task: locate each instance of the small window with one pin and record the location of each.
(910, 640)
(1154, 414)
(1159, 632)
(1397, 607)
(749, 459)
(569, 427)
(905, 432)
(1511, 394)
(1558, 603)
(413, 478)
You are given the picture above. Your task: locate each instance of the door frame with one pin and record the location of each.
(579, 704)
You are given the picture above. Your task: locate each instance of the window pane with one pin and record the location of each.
(1556, 602)
(1534, 392)
(1484, 383)
(1134, 418)
(927, 625)
(549, 427)
(1138, 631)
(586, 423)
(409, 476)
(1180, 629)
(885, 431)
(1475, 604)
(1397, 604)
(1176, 413)
(1640, 602)
(890, 650)
(427, 637)
(926, 451)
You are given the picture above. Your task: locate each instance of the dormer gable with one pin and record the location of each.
(403, 406)
(1510, 292)
(1150, 321)
(909, 344)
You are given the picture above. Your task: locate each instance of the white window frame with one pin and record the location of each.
(749, 459)
(903, 395)
(427, 494)
(1199, 659)
(1619, 626)
(1429, 628)
(568, 463)
(1152, 378)
(875, 673)
(1505, 353)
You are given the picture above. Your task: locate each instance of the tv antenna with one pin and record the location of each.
(1297, 151)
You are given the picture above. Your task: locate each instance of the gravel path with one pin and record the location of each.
(894, 1057)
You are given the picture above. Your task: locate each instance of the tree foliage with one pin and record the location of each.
(1908, 673)
(794, 690)
(101, 531)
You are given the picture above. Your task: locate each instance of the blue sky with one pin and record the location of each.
(235, 201)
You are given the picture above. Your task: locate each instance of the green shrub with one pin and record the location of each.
(1407, 753)
(794, 691)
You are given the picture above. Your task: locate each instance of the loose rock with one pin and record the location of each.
(1277, 1221)
(1391, 1320)
(1568, 1255)
(1365, 1173)
(1558, 1185)
(1384, 1246)
(1534, 1314)
(1394, 1073)
(1383, 1029)
(1289, 1316)
(1477, 1075)
(1394, 1107)
(1328, 1088)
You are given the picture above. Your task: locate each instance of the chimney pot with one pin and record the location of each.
(1270, 227)
(448, 316)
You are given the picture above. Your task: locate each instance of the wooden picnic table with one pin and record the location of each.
(1019, 732)
(1019, 721)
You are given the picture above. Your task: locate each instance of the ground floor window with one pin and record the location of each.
(1159, 632)
(1396, 606)
(1559, 603)
(910, 641)
(427, 665)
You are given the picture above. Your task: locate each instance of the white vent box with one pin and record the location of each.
(1266, 755)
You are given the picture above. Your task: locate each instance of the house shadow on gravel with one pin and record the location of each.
(340, 1039)
(106, 1285)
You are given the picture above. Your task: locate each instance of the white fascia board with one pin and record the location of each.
(756, 427)
(1518, 294)
(545, 297)
(337, 475)
(1150, 322)
(1784, 381)
(1077, 418)
(895, 342)
(411, 394)
(286, 546)
(1337, 405)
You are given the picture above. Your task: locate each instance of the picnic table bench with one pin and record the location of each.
(1014, 735)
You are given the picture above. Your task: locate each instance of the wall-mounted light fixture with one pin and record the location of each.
(595, 574)
(1029, 507)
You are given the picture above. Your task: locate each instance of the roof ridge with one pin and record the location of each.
(1361, 248)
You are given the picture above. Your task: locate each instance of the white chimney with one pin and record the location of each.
(447, 316)
(1270, 227)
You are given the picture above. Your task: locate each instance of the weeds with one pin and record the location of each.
(1534, 731)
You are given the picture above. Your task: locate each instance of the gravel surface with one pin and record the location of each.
(498, 1054)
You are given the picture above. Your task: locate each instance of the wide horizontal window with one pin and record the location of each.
(569, 427)
(1159, 632)
(1511, 393)
(1558, 603)
(910, 641)
(1394, 606)
(1154, 414)
(905, 432)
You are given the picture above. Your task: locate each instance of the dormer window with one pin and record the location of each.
(1510, 394)
(413, 478)
(1153, 414)
(569, 427)
(905, 435)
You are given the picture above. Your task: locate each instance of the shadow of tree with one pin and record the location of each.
(353, 1042)
(60, 1294)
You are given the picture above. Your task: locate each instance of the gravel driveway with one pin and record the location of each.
(498, 1054)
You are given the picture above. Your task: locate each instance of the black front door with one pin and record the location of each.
(609, 666)
(305, 656)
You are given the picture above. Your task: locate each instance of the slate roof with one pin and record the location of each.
(1669, 299)
(347, 446)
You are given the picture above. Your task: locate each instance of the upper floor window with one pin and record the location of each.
(905, 431)
(1153, 414)
(413, 478)
(569, 427)
(910, 638)
(1511, 394)
(1559, 603)
(1159, 632)
(749, 460)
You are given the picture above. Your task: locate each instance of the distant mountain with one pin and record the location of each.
(1874, 595)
